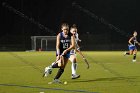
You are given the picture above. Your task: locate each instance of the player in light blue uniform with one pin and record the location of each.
(132, 46)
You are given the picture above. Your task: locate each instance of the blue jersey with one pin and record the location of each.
(64, 44)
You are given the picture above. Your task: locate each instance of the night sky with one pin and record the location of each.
(17, 30)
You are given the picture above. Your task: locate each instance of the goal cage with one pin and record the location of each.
(43, 43)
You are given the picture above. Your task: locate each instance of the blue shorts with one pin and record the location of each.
(132, 47)
(67, 55)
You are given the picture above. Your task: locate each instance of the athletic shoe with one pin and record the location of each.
(75, 76)
(124, 53)
(48, 70)
(133, 60)
(55, 81)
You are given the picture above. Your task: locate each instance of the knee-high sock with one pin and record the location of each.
(74, 67)
(127, 53)
(59, 73)
(54, 65)
(134, 57)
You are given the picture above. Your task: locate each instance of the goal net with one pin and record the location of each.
(43, 43)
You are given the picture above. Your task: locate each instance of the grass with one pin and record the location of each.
(110, 72)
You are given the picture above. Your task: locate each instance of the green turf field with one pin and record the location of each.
(110, 72)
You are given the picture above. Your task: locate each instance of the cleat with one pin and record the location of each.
(133, 60)
(124, 53)
(48, 70)
(55, 81)
(75, 76)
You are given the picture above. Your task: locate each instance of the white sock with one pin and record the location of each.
(73, 67)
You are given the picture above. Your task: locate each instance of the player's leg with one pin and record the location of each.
(60, 72)
(130, 52)
(127, 53)
(131, 49)
(48, 69)
(74, 66)
(134, 55)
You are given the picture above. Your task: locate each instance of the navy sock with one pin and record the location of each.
(59, 73)
(134, 57)
(55, 65)
(128, 53)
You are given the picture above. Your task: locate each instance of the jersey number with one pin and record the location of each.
(65, 45)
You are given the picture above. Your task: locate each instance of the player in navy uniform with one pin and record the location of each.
(64, 43)
(132, 46)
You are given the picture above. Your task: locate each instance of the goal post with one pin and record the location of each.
(43, 43)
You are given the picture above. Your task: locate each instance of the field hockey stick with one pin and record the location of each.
(85, 60)
(57, 59)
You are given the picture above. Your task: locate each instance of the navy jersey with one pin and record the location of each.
(64, 42)
(134, 40)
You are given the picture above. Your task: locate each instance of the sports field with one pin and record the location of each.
(110, 72)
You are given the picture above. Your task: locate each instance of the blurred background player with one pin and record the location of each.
(72, 58)
(132, 46)
(64, 43)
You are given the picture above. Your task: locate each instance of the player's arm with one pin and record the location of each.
(57, 46)
(71, 46)
(138, 43)
(72, 43)
(77, 35)
(130, 40)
